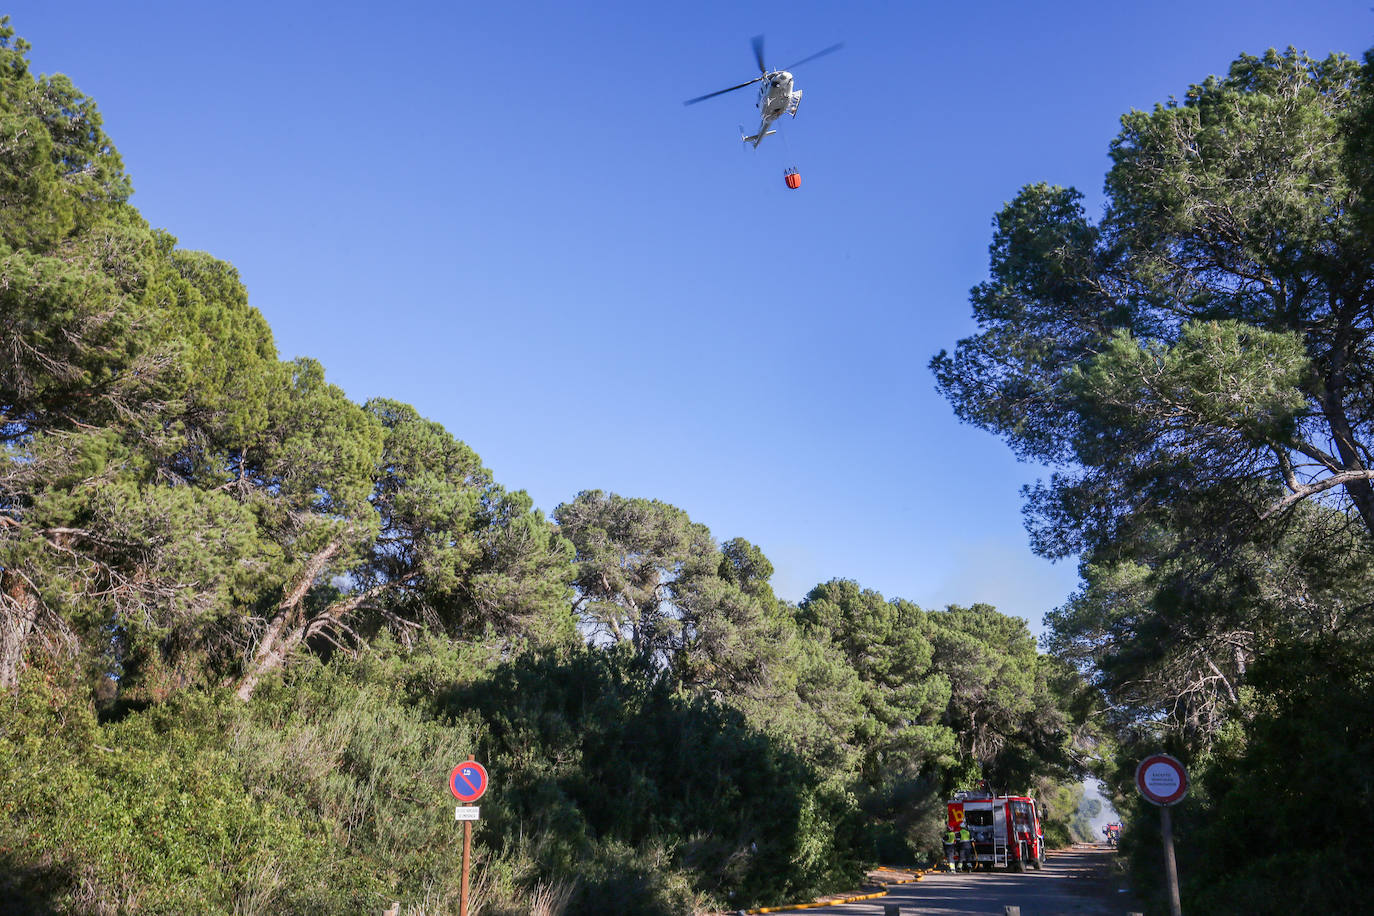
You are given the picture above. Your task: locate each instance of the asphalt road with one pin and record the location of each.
(1075, 882)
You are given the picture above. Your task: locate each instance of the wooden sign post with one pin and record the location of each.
(467, 782)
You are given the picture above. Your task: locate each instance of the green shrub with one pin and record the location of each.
(149, 814)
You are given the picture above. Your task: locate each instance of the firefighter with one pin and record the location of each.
(966, 859)
(951, 844)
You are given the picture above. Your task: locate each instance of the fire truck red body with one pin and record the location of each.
(1006, 829)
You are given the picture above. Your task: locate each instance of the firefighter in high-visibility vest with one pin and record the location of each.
(965, 848)
(951, 844)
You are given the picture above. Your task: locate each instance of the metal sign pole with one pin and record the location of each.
(467, 848)
(1166, 822)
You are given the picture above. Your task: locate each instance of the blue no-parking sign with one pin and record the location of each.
(468, 781)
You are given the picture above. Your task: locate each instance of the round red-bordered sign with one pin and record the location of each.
(468, 781)
(1161, 779)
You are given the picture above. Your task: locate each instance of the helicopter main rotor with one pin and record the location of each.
(764, 72)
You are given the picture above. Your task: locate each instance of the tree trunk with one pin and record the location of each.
(1361, 492)
(277, 641)
(18, 615)
(289, 629)
(1333, 407)
(269, 657)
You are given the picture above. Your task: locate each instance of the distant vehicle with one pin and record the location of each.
(1113, 834)
(776, 95)
(1006, 829)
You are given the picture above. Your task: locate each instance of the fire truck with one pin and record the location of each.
(1005, 829)
(1113, 834)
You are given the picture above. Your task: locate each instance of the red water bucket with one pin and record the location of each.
(793, 178)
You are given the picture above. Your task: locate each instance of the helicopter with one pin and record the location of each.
(776, 96)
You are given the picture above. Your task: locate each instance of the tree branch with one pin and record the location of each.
(1302, 491)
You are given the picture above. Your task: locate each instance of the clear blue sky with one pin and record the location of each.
(503, 214)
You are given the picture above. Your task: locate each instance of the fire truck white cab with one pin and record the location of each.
(1006, 829)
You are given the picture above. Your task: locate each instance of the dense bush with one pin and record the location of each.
(1305, 763)
(600, 756)
(150, 813)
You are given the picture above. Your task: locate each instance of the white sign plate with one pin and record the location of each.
(1162, 780)
(467, 813)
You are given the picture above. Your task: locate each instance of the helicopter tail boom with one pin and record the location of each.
(757, 138)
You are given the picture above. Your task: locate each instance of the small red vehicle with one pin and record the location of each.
(1006, 829)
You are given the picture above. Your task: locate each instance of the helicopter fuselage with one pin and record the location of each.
(775, 95)
(776, 98)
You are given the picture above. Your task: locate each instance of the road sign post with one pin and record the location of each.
(1163, 781)
(467, 782)
(467, 857)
